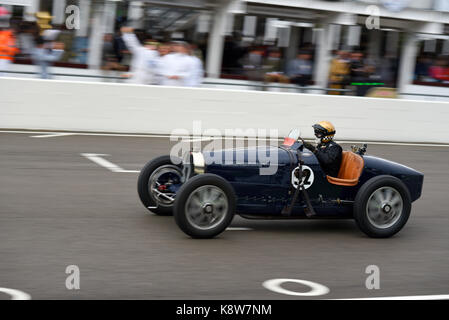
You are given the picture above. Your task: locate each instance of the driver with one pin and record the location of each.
(327, 151)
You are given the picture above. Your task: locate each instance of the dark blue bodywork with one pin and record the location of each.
(264, 196)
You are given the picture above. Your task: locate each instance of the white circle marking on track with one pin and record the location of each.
(316, 288)
(16, 294)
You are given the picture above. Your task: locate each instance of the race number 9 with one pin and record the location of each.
(307, 178)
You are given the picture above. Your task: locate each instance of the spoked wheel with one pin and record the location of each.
(382, 206)
(157, 185)
(204, 206)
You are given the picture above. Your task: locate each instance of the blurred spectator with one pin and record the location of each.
(175, 68)
(300, 69)
(358, 72)
(120, 47)
(232, 54)
(388, 66)
(62, 34)
(439, 71)
(8, 47)
(28, 31)
(339, 72)
(45, 53)
(252, 63)
(164, 49)
(196, 69)
(145, 58)
(372, 79)
(109, 57)
(423, 64)
(272, 66)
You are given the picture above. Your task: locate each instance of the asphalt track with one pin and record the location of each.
(57, 208)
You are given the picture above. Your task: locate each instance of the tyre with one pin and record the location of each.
(382, 206)
(156, 185)
(205, 206)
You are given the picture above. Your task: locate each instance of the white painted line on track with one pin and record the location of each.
(98, 159)
(52, 135)
(16, 294)
(425, 297)
(406, 144)
(239, 229)
(160, 136)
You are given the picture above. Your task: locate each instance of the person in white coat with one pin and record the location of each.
(144, 60)
(196, 75)
(174, 69)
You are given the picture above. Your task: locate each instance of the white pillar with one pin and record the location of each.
(84, 6)
(216, 43)
(249, 26)
(203, 23)
(136, 14)
(284, 37)
(408, 61)
(58, 11)
(31, 10)
(353, 36)
(229, 24)
(96, 38)
(270, 30)
(334, 33)
(322, 55)
(110, 9)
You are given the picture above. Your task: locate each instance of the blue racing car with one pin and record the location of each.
(204, 192)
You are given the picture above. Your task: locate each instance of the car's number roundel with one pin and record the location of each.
(307, 178)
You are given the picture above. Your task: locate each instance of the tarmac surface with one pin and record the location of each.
(58, 208)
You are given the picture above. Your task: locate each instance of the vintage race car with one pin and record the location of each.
(204, 194)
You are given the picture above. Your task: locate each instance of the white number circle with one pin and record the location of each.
(307, 179)
(316, 288)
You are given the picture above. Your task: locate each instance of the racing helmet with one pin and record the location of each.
(324, 130)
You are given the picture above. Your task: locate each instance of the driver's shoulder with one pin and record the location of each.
(335, 146)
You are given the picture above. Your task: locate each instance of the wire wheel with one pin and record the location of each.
(161, 178)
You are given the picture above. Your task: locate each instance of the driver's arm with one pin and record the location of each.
(309, 146)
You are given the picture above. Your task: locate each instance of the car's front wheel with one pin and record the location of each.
(157, 185)
(382, 206)
(204, 206)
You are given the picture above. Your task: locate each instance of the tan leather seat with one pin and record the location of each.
(350, 170)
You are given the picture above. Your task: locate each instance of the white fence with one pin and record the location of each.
(102, 107)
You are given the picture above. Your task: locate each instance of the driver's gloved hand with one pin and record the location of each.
(309, 146)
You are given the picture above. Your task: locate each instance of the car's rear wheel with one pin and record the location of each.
(382, 206)
(204, 206)
(155, 184)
